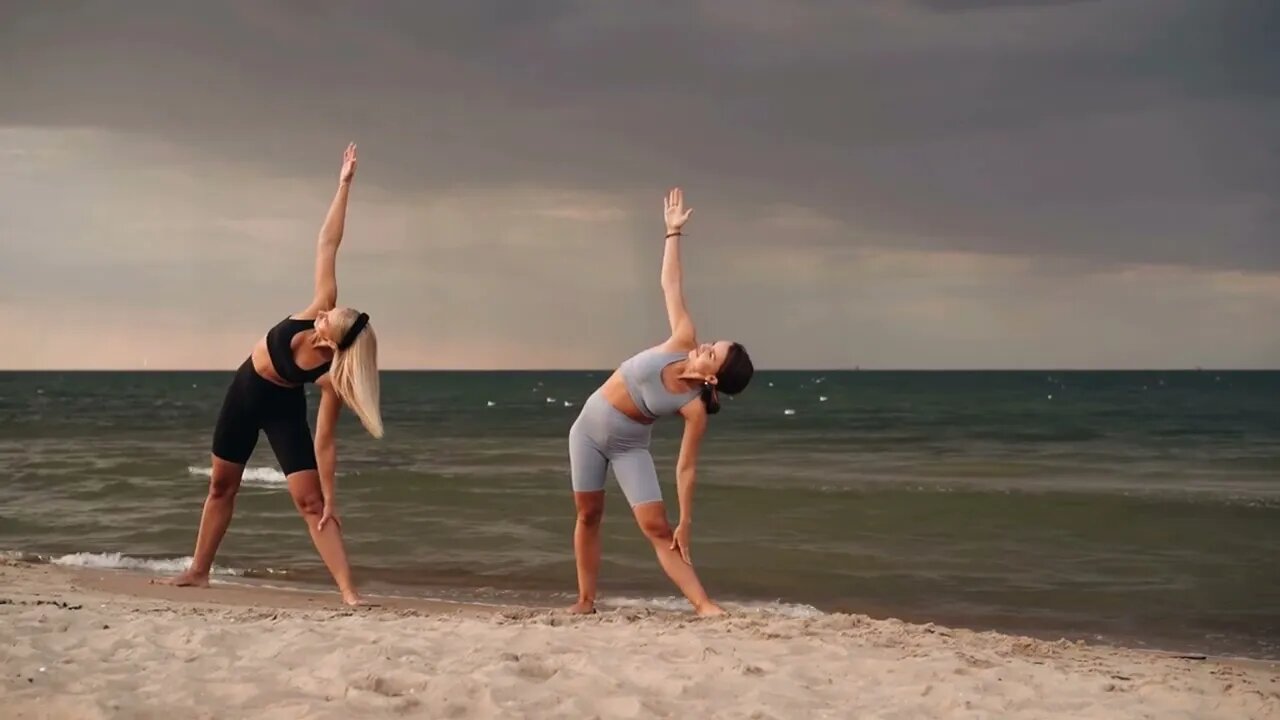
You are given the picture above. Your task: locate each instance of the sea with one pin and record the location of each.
(1132, 508)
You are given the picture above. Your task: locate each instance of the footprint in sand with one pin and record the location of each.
(620, 707)
(535, 669)
(385, 685)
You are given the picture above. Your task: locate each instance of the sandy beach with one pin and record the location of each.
(107, 644)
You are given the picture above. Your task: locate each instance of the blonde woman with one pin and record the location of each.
(333, 347)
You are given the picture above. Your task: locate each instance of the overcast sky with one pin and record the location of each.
(884, 183)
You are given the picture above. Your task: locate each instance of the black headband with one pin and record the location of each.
(354, 331)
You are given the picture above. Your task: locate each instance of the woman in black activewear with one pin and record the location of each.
(336, 349)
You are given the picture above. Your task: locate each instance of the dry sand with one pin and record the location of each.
(105, 644)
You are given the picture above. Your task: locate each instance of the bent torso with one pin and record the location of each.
(305, 355)
(615, 390)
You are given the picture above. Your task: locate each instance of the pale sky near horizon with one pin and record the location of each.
(887, 183)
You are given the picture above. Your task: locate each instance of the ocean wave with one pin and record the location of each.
(119, 561)
(675, 604)
(255, 476)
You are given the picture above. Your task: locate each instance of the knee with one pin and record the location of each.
(223, 488)
(656, 528)
(309, 503)
(590, 516)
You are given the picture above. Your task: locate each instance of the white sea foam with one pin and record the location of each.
(675, 604)
(259, 476)
(118, 561)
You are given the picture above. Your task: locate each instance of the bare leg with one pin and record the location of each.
(304, 487)
(652, 518)
(586, 547)
(224, 482)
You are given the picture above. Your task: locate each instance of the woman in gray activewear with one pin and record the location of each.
(678, 377)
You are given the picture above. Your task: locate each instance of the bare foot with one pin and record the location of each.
(352, 598)
(709, 609)
(583, 607)
(186, 579)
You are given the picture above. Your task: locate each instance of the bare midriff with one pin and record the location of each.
(262, 365)
(615, 391)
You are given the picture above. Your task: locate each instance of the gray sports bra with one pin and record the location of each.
(642, 373)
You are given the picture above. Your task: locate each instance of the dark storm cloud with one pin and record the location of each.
(959, 6)
(1104, 130)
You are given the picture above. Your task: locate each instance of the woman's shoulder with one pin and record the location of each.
(675, 344)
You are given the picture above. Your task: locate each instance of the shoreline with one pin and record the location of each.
(286, 591)
(88, 643)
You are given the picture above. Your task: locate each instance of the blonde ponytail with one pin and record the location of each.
(354, 373)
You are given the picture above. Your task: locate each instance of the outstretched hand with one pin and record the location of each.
(330, 515)
(348, 164)
(673, 210)
(680, 541)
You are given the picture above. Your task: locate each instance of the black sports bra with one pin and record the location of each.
(280, 348)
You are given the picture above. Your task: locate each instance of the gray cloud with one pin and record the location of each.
(959, 6)
(1081, 136)
(1125, 130)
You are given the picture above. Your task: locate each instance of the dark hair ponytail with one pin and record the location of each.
(710, 398)
(734, 376)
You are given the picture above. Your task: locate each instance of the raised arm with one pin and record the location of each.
(683, 335)
(695, 425)
(326, 291)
